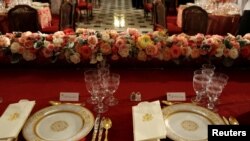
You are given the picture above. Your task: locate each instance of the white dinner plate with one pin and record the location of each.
(188, 122)
(65, 122)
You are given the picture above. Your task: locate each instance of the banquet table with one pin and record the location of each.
(45, 84)
(217, 24)
(44, 18)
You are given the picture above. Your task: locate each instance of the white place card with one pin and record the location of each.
(176, 96)
(69, 96)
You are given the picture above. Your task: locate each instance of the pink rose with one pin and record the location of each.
(105, 48)
(151, 50)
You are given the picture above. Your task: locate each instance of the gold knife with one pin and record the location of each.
(101, 129)
(96, 126)
(225, 120)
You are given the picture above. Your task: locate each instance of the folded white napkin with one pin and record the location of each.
(14, 117)
(148, 122)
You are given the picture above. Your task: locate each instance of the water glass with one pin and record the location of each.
(91, 76)
(100, 94)
(200, 81)
(213, 91)
(111, 83)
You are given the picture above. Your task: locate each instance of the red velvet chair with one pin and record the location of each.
(84, 5)
(148, 7)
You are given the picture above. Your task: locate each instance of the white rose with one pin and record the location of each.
(233, 53)
(105, 36)
(46, 44)
(219, 52)
(28, 56)
(58, 34)
(4, 41)
(15, 47)
(57, 42)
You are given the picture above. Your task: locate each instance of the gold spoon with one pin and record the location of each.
(107, 124)
(233, 121)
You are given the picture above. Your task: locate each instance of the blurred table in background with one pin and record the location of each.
(217, 24)
(223, 24)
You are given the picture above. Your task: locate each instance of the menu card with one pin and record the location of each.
(148, 122)
(14, 117)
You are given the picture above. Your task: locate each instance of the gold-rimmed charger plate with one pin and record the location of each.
(59, 123)
(189, 122)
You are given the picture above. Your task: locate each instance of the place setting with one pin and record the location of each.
(180, 119)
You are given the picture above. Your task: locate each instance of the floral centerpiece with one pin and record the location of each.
(90, 46)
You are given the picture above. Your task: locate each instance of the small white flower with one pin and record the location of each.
(15, 47)
(219, 52)
(233, 53)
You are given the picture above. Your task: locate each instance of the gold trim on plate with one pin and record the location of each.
(59, 125)
(198, 115)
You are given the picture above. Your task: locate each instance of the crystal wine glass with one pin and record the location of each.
(213, 92)
(91, 76)
(111, 83)
(100, 93)
(200, 81)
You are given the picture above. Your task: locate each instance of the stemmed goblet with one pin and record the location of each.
(100, 94)
(200, 81)
(91, 76)
(213, 92)
(111, 82)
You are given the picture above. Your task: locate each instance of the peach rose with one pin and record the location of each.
(120, 42)
(151, 50)
(92, 40)
(195, 53)
(166, 54)
(123, 51)
(105, 48)
(186, 51)
(142, 56)
(47, 53)
(75, 58)
(28, 55)
(4, 41)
